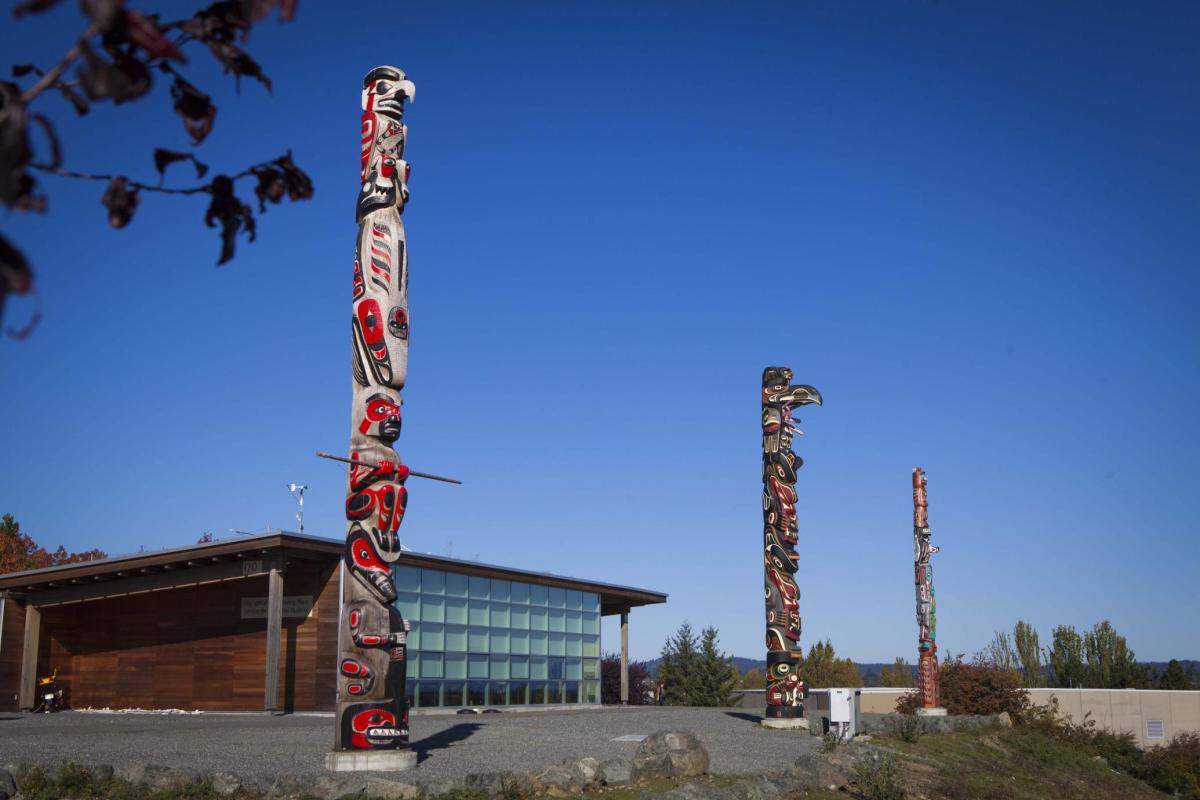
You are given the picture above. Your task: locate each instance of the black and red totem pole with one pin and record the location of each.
(785, 685)
(372, 713)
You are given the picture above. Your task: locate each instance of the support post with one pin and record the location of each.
(29, 656)
(781, 532)
(274, 633)
(625, 657)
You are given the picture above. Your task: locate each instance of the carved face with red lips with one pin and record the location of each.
(364, 562)
(398, 322)
(381, 418)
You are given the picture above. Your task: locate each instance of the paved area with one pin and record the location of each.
(261, 747)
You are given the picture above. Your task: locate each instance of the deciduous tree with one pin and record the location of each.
(1110, 662)
(610, 681)
(1067, 669)
(19, 552)
(1029, 652)
(116, 58)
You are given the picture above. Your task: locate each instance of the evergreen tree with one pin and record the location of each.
(823, 669)
(716, 676)
(677, 667)
(1029, 652)
(899, 675)
(1174, 677)
(1066, 658)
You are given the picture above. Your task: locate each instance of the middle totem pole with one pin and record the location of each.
(785, 687)
(372, 712)
(927, 663)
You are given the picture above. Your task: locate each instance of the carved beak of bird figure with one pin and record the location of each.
(384, 91)
(802, 395)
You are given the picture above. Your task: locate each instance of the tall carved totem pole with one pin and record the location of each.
(927, 663)
(785, 687)
(372, 713)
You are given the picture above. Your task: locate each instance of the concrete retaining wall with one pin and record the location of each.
(1138, 711)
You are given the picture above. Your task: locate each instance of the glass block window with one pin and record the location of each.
(456, 585)
(519, 593)
(479, 588)
(481, 641)
(433, 609)
(501, 590)
(432, 582)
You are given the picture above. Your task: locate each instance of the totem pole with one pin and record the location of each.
(785, 688)
(927, 663)
(372, 713)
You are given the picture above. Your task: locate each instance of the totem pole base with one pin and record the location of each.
(370, 760)
(786, 723)
(931, 712)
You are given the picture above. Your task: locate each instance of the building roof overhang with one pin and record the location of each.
(248, 556)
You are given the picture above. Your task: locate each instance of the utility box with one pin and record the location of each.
(837, 710)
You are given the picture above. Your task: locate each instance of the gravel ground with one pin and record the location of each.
(260, 747)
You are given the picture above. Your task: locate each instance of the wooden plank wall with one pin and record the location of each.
(10, 654)
(189, 648)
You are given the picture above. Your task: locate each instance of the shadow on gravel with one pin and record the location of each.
(2, 719)
(755, 718)
(438, 741)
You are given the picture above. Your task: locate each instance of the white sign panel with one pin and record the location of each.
(293, 606)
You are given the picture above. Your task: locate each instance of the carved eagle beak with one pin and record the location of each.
(409, 89)
(803, 395)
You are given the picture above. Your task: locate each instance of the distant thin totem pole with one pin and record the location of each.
(785, 685)
(927, 664)
(372, 712)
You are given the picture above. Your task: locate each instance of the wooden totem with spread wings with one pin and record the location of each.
(372, 713)
(927, 663)
(785, 687)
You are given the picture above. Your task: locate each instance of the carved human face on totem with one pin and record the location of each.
(398, 322)
(381, 418)
(384, 91)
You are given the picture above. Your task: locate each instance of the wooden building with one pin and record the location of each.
(251, 624)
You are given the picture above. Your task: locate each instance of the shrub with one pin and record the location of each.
(1172, 768)
(905, 727)
(876, 777)
(981, 688)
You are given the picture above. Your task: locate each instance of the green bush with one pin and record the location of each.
(876, 777)
(1173, 768)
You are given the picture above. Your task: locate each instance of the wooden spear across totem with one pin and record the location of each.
(785, 687)
(927, 664)
(372, 712)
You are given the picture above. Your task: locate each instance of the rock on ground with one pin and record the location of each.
(670, 754)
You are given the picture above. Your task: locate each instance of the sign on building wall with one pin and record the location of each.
(293, 606)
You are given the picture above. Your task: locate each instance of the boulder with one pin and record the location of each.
(557, 781)
(615, 772)
(169, 778)
(670, 754)
(584, 770)
(225, 783)
(8, 784)
(134, 773)
(389, 790)
(101, 772)
(500, 784)
(287, 785)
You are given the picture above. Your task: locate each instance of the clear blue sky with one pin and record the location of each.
(973, 226)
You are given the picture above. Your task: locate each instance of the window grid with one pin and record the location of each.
(479, 641)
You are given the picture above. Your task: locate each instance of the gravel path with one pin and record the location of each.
(260, 747)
